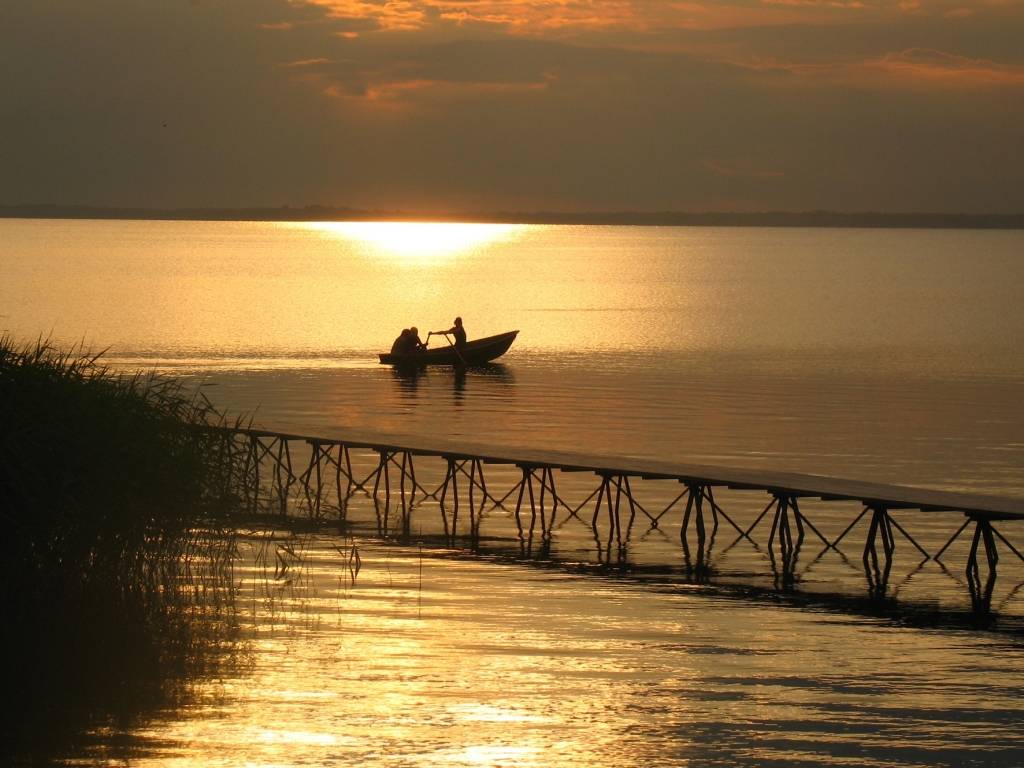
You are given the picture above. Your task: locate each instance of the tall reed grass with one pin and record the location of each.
(101, 474)
(116, 500)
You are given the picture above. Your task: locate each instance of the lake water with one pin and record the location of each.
(885, 355)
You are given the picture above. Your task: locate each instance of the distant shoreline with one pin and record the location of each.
(867, 219)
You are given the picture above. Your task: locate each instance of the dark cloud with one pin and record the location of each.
(267, 102)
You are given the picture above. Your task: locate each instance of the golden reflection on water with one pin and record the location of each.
(299, 290)
(417, 241)
(428, 661)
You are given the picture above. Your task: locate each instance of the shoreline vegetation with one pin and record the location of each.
(119, 508)
(866, 219)
(102, 474)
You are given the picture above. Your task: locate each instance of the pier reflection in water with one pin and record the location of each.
(419, 659)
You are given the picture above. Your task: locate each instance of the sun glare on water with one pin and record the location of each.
(417, 240)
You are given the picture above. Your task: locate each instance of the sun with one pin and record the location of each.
(418, 240)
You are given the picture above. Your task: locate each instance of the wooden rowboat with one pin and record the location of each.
(476, 352)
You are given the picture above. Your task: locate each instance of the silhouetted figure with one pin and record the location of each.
(457, 331)
(401, 344)
(415, 343)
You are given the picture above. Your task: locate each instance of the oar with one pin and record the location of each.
(456, 350)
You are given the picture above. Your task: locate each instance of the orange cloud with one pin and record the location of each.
(402, 15)
(383, 90)
(408, 90)
(913, 67)
(851, 4)
(559, 16)
(303, 63)
(406, 15)
(945, 69)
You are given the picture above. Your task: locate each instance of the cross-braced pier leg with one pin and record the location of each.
(612, 490)
(339, 470)
(321, 460)
(530, 477)
(270, 451)
(406, 469)
(475, 477)
(698, 566)
(455, 497)
(451, 485)
(382, 471)
(284, 477)
(521, 486)
(402, 461)
(476, 480)
(981, 594)
(312, 478)
(547, 492)
(786, 516)
(880, 528)
(361, 484)
(603, 492)
(537, 490)
(252, 468)
(343, 468)
(613, 516)
(624, 541)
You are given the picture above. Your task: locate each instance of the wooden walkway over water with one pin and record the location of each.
(322, 474)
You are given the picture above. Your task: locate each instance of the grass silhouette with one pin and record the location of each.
(117, 503)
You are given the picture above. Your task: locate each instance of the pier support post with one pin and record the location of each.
(451, 484)
(786, 516)
(340, 469)
(312, 478)
(284, 478)
(476, 477)
(252, 469)
(612, 489)
(981, 593)
(880, 528)
(696, 494)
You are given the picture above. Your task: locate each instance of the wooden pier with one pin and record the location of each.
(292, 474)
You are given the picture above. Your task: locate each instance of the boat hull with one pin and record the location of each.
(476, 352)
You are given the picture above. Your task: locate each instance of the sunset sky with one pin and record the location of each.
(570, 105)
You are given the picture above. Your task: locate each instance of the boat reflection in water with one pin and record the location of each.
(409, 378)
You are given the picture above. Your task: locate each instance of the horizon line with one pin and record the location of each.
(809, 218)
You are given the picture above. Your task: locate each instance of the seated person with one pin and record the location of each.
(457, 331)
(415, 344)
(401, 344)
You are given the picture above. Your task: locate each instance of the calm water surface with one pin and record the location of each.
(426, 661)
(886, 355)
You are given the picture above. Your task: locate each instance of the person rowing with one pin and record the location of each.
(457, 331)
